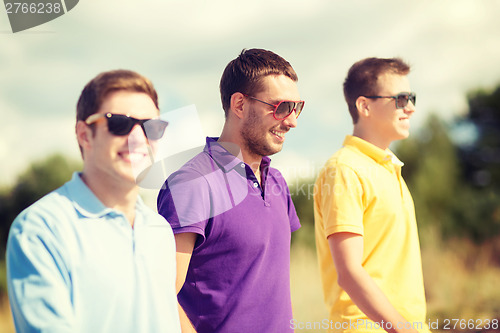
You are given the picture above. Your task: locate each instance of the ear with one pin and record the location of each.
(363, 106)
(237, 103)
(83, 135)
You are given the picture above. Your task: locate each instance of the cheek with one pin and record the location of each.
(115, 144)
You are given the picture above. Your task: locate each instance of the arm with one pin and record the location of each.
(184, 249)
(347, 252)
(185, 204)
(38, 281)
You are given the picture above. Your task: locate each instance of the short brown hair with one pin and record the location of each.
(105, 83)
(362, 79)
(244, 74)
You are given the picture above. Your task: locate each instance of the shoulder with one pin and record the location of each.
(44, 226)
(343, 159)
(197, 168)
(348, 156)
(344, 170)
(186, 192)
(47, 212)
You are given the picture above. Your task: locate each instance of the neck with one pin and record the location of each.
(233, 143)
(370, 136)
(119, 196)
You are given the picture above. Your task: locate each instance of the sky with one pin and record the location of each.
(183, 46)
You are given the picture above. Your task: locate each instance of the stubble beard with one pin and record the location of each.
(255, 137)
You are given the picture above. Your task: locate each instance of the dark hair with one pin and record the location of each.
(94, 93)
(362, 79)
(245, 73)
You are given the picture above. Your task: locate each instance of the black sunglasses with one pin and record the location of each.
(284, 108)
(401, 99)
(120, 124)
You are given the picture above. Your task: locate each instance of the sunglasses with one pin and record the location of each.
(284, 108)
(120, 124)
(401, 99)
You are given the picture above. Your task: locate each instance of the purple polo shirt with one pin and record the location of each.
(239, 275)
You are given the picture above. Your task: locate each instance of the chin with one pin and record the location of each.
(403, 134)
(274, 148)
(127, 175)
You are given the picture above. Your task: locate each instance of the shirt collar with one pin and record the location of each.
(225, 160)
(381, 156)
(85, 201)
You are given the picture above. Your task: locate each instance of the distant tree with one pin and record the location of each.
(40, 178)
(481, 157)
(432, 172)
(437, 180)
(302, 195)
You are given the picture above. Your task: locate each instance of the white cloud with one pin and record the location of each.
(25, 139)
(183, 46)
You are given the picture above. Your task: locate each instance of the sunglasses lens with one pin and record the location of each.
(298, 108)
(413, 99)
(284, 109)
(403, 99)
(120, 124)
(154, 128)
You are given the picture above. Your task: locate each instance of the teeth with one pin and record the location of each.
(280, 134)
(134, 157)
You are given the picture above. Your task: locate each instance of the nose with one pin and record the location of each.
(410, 108)
(291, 120)
(137, 136)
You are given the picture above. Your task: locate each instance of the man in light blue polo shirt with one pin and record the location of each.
(91, 256)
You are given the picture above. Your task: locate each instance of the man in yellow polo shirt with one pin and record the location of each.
(366, 232)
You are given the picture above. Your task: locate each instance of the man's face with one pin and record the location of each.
(388, 122)
(117, 157)
(262, 134)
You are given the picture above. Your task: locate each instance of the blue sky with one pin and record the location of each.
(183, 47)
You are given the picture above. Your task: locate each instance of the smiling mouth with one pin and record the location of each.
(133, 156)
(279, 134)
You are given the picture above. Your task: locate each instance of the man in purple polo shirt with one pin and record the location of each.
(232, 213)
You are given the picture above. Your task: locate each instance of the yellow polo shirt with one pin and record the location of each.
(360, 190)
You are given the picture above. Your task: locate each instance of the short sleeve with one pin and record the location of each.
(39, 282)
(185, 202)
(341, 200)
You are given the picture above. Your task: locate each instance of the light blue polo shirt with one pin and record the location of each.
(74, 265)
